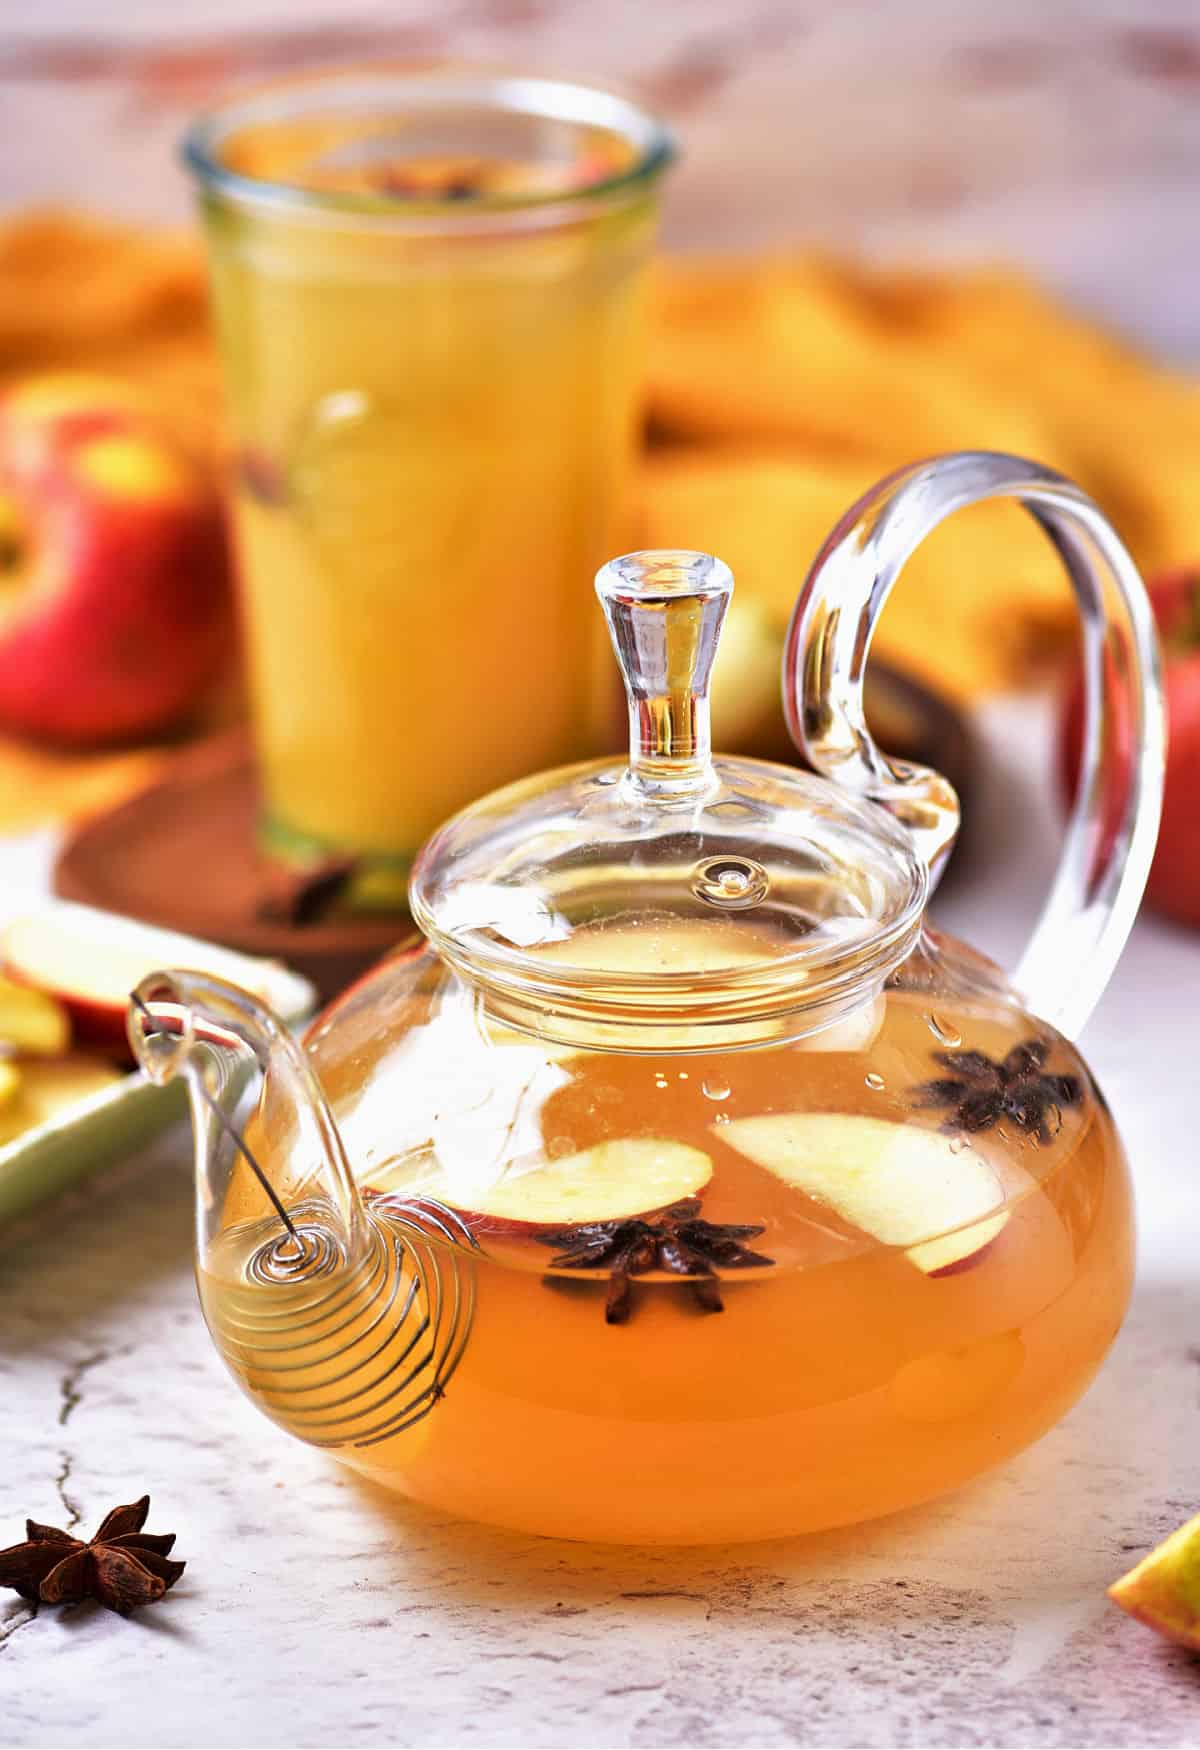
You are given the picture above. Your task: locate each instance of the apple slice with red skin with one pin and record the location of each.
(1173, 886)
(613, 1181)
(897, 1182)
(89, 961)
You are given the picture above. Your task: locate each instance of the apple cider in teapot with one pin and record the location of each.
(685, 1184)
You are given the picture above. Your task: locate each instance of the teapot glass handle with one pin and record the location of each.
(1114, 825)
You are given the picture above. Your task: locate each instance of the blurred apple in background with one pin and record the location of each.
(114, 568)
(747, 710)
(1174, 884)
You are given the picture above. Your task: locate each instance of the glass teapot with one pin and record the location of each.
(684, 1184)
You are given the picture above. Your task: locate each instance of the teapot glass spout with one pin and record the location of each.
(342, 1320)
(268, 1154)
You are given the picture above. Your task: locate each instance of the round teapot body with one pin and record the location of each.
(741, 1293)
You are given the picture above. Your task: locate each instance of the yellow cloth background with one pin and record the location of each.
(778, 391)
(781, 390)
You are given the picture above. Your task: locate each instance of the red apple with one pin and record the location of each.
(90, 961)
(42, 413)
(1174, 884)
(114, 570)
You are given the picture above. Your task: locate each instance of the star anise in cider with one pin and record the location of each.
(981, 1091)
(433, 179)
(677, 1240)
(121, 1567)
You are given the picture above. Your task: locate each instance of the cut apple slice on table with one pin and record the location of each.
(1163, 1591)
(904, 1186)
(45, 1089)
(77, 1113)
(10, 1087)
(88, 961)
(614, 1181)
(673, 945)
(31, 1021)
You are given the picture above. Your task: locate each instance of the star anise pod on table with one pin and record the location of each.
(675, 1240)
(121, 1567)
(982, 1091)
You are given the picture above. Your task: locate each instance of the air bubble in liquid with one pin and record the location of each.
(874, 1081)
(942, 1031)
(714, 1090)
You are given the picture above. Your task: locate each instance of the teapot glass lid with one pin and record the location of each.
(676, 866)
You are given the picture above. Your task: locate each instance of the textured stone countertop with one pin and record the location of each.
(317, 1611)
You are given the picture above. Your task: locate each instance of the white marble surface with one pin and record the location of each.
(316, 1611)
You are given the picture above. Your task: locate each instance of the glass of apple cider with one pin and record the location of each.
(428, 296)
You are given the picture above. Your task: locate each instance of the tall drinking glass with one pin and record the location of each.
(428, 297)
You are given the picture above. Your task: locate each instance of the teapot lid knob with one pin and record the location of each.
(644, 878)
(664, 610)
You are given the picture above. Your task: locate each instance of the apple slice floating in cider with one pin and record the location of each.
(613, 1181)
(898, 1183)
